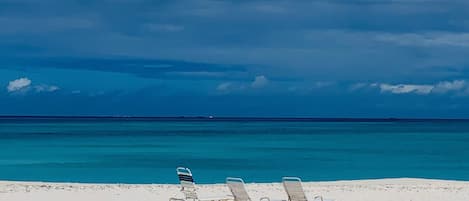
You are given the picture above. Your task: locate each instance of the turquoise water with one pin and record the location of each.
(148, 151)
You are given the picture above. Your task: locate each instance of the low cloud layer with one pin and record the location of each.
(259, 81)
(406, 88)
(224, 87)
(422, 89)
(46, 88)
(18, 84)
(25, 84)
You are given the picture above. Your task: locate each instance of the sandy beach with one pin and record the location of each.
(361, 190)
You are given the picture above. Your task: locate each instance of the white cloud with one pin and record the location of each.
(406, 88)
(446, 86)
(46, 88)
(259, 81)
(358, 86)
(422, 89)
(224, 87)
(18, 84)
(24, 84)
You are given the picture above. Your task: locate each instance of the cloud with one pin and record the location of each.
(273, 33)
(46, 88)
(24, 84)
(224, 87)
(446, 86)
(406, 88)
(259, 81)
(421, 89)
(141, 67)
(358, 86)
(18, 84)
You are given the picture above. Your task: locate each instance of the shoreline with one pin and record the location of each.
(347, 190)
(403, 179)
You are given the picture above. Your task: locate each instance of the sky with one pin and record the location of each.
(265, 58)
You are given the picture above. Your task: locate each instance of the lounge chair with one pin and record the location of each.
(188, 188)
(237, 188)
(295, 191)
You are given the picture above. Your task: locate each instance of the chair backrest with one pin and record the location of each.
(294, 189)
(237, 188)
(187, 183)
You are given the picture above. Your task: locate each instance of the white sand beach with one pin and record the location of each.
(360, 190)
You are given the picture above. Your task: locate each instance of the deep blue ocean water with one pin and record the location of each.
(149, 150)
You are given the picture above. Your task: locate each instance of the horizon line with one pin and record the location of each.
(203, 117)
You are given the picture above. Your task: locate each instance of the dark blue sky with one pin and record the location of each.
(316, 58)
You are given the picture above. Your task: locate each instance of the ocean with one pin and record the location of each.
(148, 150)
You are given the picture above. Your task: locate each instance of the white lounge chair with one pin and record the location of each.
(295, 190)
(237, 188)
(188, 188)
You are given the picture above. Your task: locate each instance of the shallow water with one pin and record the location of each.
(148, 151)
